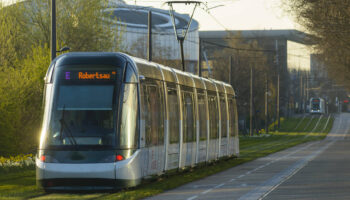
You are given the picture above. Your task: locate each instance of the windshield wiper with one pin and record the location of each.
(64, 125)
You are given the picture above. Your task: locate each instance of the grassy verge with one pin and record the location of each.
(21, 184)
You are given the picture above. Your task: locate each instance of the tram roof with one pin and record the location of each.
(142, 67)
(147, 69)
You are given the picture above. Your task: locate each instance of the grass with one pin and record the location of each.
(20, 184)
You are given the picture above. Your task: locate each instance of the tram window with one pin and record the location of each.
(76, 97)
(174, 117)
(86, 118)
(152, 112)
(202, 112)
(188, 114)
(130, 76)
(232, 115)
(223, 116)
(213, 115)
(128, 136)
(315, 106)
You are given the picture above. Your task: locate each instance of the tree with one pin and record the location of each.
(21, 99)
(329, 23)
(24, 58)
(13, 42)
(243, 60)
(82, 25)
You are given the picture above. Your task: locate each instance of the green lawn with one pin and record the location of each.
(20, 184)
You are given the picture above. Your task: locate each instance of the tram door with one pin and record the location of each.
(174, 124)
(213, 125)
(152, 106)
(189, 132)
(202, 114)
(223, 111)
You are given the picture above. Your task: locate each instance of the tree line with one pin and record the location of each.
(329, 24)
(25, 57)
(250, 64)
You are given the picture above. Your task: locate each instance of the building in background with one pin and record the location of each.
(286, 51)
(134, 19)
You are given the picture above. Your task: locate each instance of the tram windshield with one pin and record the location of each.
(81, 118)
(315, 104)
(83, 111)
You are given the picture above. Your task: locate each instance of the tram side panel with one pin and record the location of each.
(235, 129)
(181, 100)
(202, 113)
(152, 106)
(213, 125)
(223, 111)
(233, 146)
(174, 121)
(189, 132)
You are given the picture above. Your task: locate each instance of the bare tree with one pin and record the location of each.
(329, 23)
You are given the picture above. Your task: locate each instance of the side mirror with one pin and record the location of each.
(63, 49)
(142, 78)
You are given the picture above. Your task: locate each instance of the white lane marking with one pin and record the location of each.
(222, 184)
(203, 185)
(271, 162)
(300, 122)
(307, 160)
(249, 172)
(338, 127)
(259, 167)
(241, 176)
(194, 197)
(268, 186)
(318, 121)
(325, 126)
(280, 158)
(207, 191)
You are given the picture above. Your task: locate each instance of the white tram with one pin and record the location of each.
(317, 106)
(111, 119)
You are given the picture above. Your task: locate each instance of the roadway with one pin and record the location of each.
(314, 170)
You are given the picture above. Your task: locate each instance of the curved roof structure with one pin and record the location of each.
(137, 17)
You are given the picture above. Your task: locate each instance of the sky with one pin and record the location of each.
(234, 14)
(231, 14)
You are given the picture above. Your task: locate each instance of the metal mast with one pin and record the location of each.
(181, 37)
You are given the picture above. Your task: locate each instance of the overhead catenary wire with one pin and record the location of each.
(239, 49)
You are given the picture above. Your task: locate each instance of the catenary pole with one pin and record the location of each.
(278, 88)
(53, 29)
(230, 74)
(251, 101)
(149, 36)
(200, 58)
(266, 105)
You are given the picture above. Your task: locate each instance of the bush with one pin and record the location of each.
(21, 91)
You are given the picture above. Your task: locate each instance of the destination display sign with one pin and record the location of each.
(90, 75)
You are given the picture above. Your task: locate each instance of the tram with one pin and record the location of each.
(111, 120)
(317, 106)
